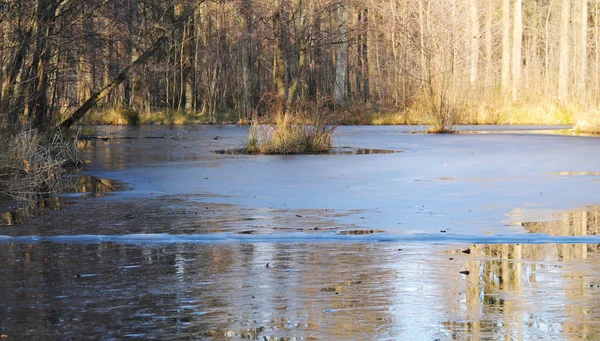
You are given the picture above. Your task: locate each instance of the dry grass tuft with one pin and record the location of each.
(587, 122)
(306, 131)
(439, 129)
(32, 164)
(543, 112)
(114, 117)
(289, 136)
(117, 116)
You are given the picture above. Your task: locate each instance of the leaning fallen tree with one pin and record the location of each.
(122, 76)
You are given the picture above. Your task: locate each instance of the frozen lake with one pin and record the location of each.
(487, 234)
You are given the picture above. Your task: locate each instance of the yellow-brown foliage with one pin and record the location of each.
(289, 135)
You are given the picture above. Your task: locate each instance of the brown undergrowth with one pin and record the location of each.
(32, 164)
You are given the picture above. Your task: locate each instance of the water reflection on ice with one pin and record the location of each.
(301, 291)
(79, 186)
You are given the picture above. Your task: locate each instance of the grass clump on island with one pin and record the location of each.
(290, 134)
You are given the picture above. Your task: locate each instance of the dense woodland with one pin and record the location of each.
(440, 57)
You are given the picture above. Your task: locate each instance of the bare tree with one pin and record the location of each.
(583, 53)
(565, 46)
(341, 55)
(474, 38)
(399, 56)
(517, 45)
(506, 46)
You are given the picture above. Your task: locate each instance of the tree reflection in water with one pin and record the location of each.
(82, 185)
(309, 291)
(525, 291)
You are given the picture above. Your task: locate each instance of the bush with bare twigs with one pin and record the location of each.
(31, 164)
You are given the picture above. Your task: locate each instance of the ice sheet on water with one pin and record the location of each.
(164, 238)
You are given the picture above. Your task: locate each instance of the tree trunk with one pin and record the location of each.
(547, 48)
(341, 56)
(187, 67)
(39, 101)
(297, 56)
(248, 70)
(136, 100)
(489, 66)
(362, 74)
(130, 47)
(517, 46)
(583, 60)
(564, 45)
(11, 98)
(505, 73)
(279, 65)
(425, 60)
(315, 56)
(597, 49)
(474, 38)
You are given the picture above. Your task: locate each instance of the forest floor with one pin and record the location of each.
(367, 114)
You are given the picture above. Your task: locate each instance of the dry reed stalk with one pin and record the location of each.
(32, 165)
(291, 134)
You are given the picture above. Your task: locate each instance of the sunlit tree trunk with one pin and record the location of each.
(517, 46)
(506, 57)
(365, 57)
(474, 39)
(186, 63)
(425, 59)
(583, 60)
(597, 49)
(489, 62)
(188, 70)
(563, 77)
(547, 48)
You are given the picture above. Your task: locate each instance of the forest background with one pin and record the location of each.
(399, 61)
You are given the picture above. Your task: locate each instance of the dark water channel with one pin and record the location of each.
(463, 236)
